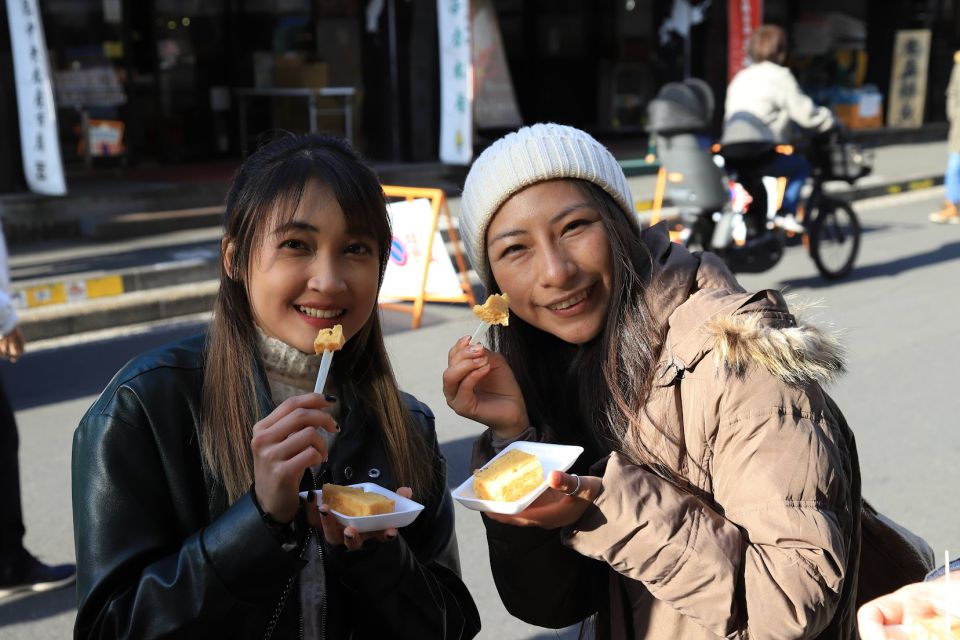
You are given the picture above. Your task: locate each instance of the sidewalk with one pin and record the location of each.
(96, 269)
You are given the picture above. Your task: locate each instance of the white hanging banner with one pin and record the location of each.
(456, 82)
(39, 144)
(411, 222)
(495, 103)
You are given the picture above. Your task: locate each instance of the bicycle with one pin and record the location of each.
(742, 228)
(833, 228)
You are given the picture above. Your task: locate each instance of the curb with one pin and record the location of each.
(892, 188)
(131, 308)
(32, 295)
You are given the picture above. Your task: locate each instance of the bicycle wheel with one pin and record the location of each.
(834, 238)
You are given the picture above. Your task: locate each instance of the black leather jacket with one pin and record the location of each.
(160, 553)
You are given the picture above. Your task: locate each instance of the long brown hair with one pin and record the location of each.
(269, 185)
(597, 392)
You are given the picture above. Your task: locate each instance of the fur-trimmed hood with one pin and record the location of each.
(741, 330)
(795, 353)
(708, 312)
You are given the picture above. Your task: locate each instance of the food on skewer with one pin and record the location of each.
(326, 342)
(510, 477)
(496, 310)
(329, 340)
(354, 501)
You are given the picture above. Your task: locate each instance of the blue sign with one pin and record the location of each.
(398, 252)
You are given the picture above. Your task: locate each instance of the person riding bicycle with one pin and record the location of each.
(763, 104)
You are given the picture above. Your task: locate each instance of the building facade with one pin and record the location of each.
(168, 70)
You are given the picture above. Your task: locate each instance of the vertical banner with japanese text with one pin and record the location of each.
(456, 82)
(744, 16)
(494, 100)
(39, 144)
(908, 78)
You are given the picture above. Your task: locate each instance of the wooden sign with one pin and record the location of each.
(908, 80)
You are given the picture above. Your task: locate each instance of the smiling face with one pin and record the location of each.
(548, 249)
(310, 273)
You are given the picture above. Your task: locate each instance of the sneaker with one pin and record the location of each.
(27, 574)
(945, 217)
(789, 222)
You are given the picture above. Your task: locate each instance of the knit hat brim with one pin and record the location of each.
(523, 158)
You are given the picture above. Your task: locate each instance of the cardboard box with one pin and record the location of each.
(865, 111)
(293, 70)
(313, 74)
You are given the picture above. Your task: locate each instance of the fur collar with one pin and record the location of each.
(795, 354)
(744, 329)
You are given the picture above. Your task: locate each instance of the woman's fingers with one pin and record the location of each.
(304, 440)
(307, 401)
(296, 422)
(875, 615)
(465, 398)
(584, 487)
(331, 527)
(457, 373)
(406, 492)
(462, 349)
(294, 466)
(352, 539)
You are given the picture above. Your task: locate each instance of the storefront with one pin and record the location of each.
(843, 54)
(161, 76)
(597, 64)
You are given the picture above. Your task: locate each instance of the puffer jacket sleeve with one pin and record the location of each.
(140, 575)
(767, 558)
(413, 585)
(540, 581)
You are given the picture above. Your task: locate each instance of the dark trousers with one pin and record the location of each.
(11, 512)
(796, 169)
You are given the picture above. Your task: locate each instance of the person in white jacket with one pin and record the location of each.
(764, 106)
(20, 571)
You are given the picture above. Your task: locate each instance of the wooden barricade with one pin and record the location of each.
(438, 202)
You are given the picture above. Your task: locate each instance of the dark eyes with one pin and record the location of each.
(292, 243)
(359, 248)
(354, 248)
(576, 224)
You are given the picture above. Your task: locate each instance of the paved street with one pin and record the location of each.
(898, 312)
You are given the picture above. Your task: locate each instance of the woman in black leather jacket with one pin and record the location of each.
(187, 469)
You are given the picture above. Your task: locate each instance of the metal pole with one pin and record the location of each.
(242, 108)
(348, 117)
(394, 80)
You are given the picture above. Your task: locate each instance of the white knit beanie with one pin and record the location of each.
(525, 157)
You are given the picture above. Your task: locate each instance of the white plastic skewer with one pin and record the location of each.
(325, 362)
(476, 334)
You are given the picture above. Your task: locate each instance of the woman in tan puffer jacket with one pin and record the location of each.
(719, 492)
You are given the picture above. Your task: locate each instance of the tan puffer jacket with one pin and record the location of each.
(764, 541)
